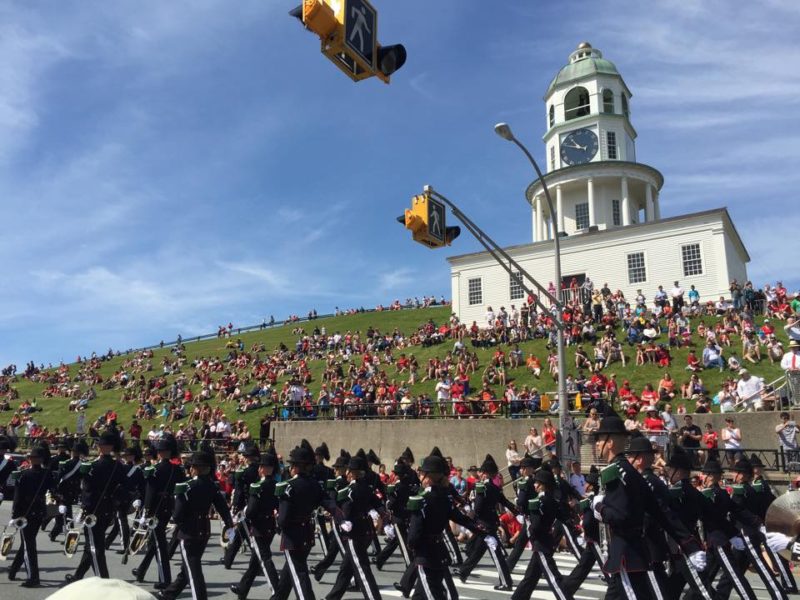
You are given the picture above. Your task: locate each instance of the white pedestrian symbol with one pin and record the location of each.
(436, 224)
(361, 26)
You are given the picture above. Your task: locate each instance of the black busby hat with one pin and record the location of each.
(250, 451)
(63, 444)
(611, 425)
(408, 456)
(489, 465)
(301, 455)
(554, 463)
(268, 459)
(680, 459)
(361, 453)
(712, 467)
(342, 460)
(108, 438)
(202, 458)
(743, 466)
(640, 445)
(133, 451)
(167, 443)
(357, 464)
(5, 445)
(531, 461)
(401, 467)
(437, 452)
(39, 451)
(545, 477)
(322, 451)
(373, 458)
(434, 464)
(81, 447)
(755, 460)
(592, 477)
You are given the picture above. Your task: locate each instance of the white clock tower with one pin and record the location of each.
(591, 153)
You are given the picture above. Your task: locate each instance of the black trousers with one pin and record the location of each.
(294, 576)
(26, 554)
(541, 565)
(191, 572)
(451, 543)
(682, 575)
(120, 524)
(476, 552)
(590, 555)
(235, 545)
(157, 548)
(260, 564)
(733, 577)
(355, 564)
(743, 559)
(519, 547)
(334, 548)
(432, 583)
(94, 550)
(399, 541)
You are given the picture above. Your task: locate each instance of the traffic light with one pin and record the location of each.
(426, 219)
(347, 30)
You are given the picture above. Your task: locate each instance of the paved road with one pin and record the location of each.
(54, 565)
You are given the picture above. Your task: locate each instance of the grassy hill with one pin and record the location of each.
(55, 413)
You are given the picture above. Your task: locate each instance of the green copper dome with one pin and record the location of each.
(584, 62)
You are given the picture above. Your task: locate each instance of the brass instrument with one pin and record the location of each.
(139, 536)
(7, 539)
(237, 519)
(73, 535)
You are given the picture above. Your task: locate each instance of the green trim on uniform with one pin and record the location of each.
(391, 488)
(181, 488)
(149, 471)
(86, 466)
(415, 503)
(255, 488)
(480, 489)
(281, 489)
(708, 493)
(343, 494)
(609, 474)
(534, 505)
(584, 504)
(676, 492)
(330, 484)
(738, 490)
(758, 486)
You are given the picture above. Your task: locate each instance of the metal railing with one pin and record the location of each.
(775, 393)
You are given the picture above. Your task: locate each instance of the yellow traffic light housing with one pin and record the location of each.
(426, 219)
(348, 34)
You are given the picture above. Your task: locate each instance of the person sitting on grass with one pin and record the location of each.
(693, 363)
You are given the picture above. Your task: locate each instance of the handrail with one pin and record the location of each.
(751, 397)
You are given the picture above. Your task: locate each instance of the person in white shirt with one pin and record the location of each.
(577, 480)
(224, 428)
(154, 434)
(490, 317)
(677, 298)
(732, 439)
(791, 360)
(443, 394)
(787, 432)
(749, 389)
(792, 329)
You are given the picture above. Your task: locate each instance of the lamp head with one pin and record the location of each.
(504, 131)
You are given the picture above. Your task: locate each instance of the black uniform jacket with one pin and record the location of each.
(301, 497)
(136, 482)
(690, 505)
(525, 492)
(7, 466)
(654, 534)
(747, 503)
(541, 528)
(486, 506)
(159, 496)
(29, 493)
(261, 507)
(356, 501)
(724, 518)
(427, 524)
(590, 525)
(397, 501)
(241, 486)
(625, 504)
(192, 508)
(68, 486)
(102, 486)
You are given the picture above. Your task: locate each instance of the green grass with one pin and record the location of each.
(55, 413)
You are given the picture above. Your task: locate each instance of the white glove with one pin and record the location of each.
(698, 559)
(763, 530)
(346, 526)
(737, 543)
(596, 502)
(491, 542)
(62, 510)
(374, 514)
(778, 541)
(137, 504)
(230, 534)
(521, 519)
(389, 531)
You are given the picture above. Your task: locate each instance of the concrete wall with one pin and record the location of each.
(468, 440)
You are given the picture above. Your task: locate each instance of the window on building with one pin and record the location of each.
(552, 158)
(637, 273)
(616, 213)
(608, 101)
(611, 145)
(692, 260)
(576, 103)
(474, 291)
(552, 117)
(515, 289)
(582, 215)
(625, 110)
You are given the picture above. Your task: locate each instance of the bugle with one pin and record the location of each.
(73, 535)
(139, 536)
(7, 539)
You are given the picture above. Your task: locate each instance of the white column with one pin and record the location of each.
(648, 203)
(539, 220)
(656, 204)
(590, 195)
(559, 209)
(626, 203)
(533, 220)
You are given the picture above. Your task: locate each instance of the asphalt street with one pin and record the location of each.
(54, 566)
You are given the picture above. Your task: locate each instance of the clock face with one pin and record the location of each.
(578, 147)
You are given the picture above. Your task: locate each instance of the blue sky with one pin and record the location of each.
(171, 166)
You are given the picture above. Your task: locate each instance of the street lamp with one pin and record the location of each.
(504, 131)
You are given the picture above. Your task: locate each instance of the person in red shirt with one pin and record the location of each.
(135, 430)
(511, 527)
(693, 363)
(652, 421)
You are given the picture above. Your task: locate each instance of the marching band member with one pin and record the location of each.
(332, 487)
(68, 487)
(7, 466)
(131, 457)
(242, 480)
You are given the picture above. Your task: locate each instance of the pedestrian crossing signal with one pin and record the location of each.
(347, 30)
(426, 219)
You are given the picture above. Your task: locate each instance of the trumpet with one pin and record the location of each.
(7, 539)
(73, 535)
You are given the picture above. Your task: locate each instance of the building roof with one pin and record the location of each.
(584, 62)
(655, 225)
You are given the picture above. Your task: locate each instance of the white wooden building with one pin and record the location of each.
(607, 207)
